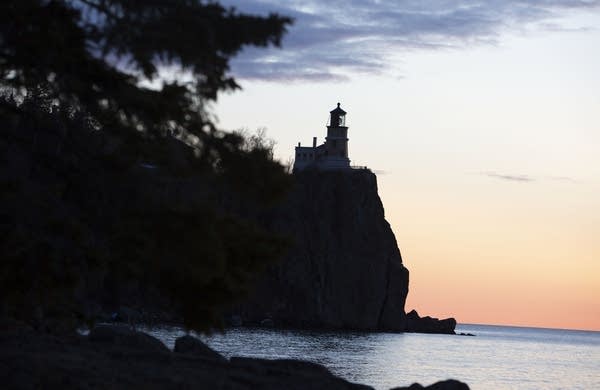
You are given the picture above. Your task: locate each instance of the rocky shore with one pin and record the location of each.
(119, 358)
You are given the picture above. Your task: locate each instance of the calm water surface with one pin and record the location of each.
(498, 357)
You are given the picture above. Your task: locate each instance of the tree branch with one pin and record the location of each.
(101, 8)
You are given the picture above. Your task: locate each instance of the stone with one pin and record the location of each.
(123, 336)
(415, 323)
(192, 345)
(449, 384)
(287, 373)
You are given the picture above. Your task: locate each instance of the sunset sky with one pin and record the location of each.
(482, 122)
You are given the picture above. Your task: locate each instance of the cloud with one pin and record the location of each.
(565, 179)
(516, 178)
(380, 172)
(526, 178)
(331, 40)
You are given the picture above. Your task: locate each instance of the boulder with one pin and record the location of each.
(286, 374)
(192, 345)
(415, 323)
(449, 384)
(123, 336)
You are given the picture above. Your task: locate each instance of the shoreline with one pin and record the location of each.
(414, 323)
(118, 357)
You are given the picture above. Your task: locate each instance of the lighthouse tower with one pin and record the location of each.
(336, 142)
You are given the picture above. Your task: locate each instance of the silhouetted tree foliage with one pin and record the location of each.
(97, 54)
(116, 188)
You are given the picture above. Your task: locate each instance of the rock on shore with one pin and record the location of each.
(119, 358)
(415, 323)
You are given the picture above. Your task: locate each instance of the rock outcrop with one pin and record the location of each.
(123, 336)
(344, 270)
(192, 345)
(449, 384)
(415, 323)
(119, 358)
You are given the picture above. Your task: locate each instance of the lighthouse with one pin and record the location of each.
(336, 142)
(333, 154)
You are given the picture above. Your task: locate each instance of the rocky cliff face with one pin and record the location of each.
(344, 269)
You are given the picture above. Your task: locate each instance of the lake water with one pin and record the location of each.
(498, 357)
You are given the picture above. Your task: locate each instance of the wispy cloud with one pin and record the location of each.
(509, 177)
(331, 40)
(521, 178)
(380, 172)
(565, 179)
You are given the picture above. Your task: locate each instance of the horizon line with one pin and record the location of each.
(531, 327)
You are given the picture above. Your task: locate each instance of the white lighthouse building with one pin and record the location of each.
(333, 154)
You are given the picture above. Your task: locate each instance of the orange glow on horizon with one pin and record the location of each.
(535, 262)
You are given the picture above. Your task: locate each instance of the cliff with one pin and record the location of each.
(344, 269)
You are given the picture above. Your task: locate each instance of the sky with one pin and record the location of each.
(481, 120)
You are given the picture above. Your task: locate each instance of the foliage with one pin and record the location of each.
(98, 54)
(114, 181)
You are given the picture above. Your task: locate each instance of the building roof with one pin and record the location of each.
(338, 110)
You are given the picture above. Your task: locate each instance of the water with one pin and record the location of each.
(499, 357)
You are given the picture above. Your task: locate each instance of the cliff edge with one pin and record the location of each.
(344, 269)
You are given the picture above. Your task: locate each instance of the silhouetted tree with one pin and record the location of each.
(115, 183)
(100, 54)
